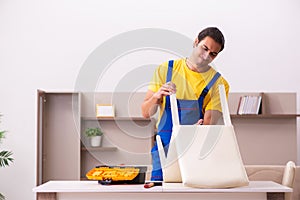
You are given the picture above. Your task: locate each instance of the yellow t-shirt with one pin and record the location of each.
(189, 84)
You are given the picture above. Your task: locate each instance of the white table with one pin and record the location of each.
(78, 190)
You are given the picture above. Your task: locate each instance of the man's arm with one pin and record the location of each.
(153, 99)
(211, 117)
(150, 104)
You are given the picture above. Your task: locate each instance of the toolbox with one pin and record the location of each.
(124, 174)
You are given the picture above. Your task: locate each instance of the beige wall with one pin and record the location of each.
(45, 43)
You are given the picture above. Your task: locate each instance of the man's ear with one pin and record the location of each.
(196, 42)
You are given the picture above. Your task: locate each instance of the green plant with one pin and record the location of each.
(90, 132)
(5, 158)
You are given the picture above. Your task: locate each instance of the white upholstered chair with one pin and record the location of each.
(289, 177)
(282, 174)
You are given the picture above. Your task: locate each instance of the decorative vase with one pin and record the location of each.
(96, 141)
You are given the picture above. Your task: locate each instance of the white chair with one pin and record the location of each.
(288, 178)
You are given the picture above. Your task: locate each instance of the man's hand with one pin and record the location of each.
(167, 89)
(152, 100)
(199, 122)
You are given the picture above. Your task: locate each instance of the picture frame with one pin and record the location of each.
(105, 110)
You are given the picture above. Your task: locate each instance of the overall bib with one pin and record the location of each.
(189, 113)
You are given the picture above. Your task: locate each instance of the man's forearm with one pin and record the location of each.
(211, 117)
(149, 107)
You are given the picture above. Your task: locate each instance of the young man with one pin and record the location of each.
(195, 83)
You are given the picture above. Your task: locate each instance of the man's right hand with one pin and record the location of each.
(165, 90)
(152, 100)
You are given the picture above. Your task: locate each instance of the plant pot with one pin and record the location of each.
(96, 141)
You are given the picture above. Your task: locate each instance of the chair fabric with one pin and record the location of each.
(289, 177)
(208, 155)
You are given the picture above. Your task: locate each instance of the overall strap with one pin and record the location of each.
(170, 70)
(205, 91)
(169, 78)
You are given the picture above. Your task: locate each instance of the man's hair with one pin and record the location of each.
(214, 33)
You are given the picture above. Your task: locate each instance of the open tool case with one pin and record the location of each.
(107, 175)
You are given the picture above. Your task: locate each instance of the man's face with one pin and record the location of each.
(205, 51)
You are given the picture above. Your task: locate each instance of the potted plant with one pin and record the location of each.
(95, 135)
(5, 158)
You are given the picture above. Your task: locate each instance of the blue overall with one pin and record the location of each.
(189, 113)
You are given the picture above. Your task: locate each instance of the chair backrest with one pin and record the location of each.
(289, 177)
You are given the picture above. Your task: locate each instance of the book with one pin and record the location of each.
(241, 106)
(249, 104)
(257, 106)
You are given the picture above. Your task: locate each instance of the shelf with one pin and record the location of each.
(99, 148)
(117, 118)
(267, 138)
(273, 116)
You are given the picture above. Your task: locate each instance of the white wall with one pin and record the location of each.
(43, 44)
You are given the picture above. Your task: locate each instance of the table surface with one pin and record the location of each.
(93, 186)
